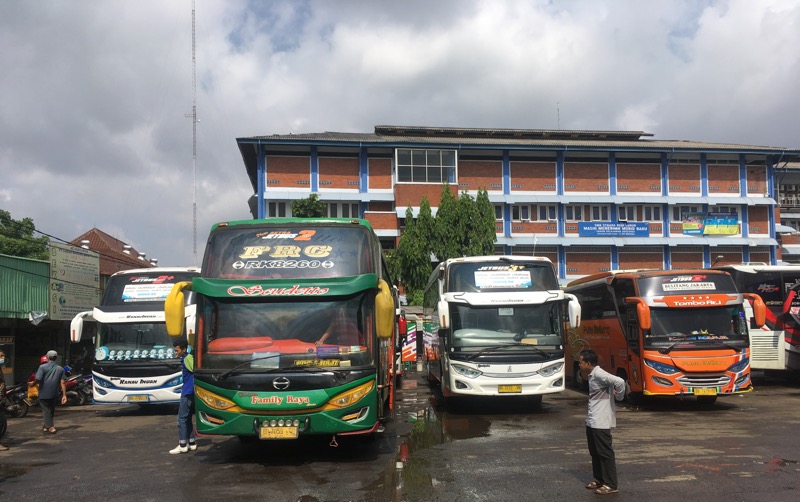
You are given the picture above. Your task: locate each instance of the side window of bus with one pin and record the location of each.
(623, 288)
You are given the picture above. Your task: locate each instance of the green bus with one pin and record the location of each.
(294, 329)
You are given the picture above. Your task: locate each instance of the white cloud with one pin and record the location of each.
(93, 126)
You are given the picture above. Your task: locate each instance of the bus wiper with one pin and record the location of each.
(225, 374)
(496, 347)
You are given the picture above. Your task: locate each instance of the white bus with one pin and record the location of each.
(134, 360)
(497, 325)
(775, 345)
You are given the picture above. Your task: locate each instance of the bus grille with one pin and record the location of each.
(765, 346)
(704, 380)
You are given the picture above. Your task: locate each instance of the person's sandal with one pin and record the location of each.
(52, 430)
(605, 490)
(594, 485)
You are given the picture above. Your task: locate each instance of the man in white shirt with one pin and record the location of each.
(604, 390)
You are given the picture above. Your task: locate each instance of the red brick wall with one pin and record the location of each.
(475, 174)
(338, 172)
(723, 179)
(587, 263)
(534, 227)
(382, 221)
(380, 173)
(286, 172)
(730, 258)
(411, 195)
(756, 180)
(762, 257)
(638, 178)
(687, 260)
(533, 176)
(585, 177)
(640, 260)
(758, 222)
(684, 178)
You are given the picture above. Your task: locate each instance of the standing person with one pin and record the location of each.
(50, 377)
(2, 399)
(604, 389)
(186, 437)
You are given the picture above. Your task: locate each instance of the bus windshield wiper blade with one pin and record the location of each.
(225, 374)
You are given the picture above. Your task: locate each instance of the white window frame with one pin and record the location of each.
(521, 212)
(337, 209)
(654, 210)
(418, 165)
(626, 213)
(498, 212)
(546, 212)
(573, 212)
(676, 215)
(279, 210)
(600, 213)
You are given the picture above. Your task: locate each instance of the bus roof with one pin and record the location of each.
(156, 270)
(472, 259)
(753, 268)
(639, 273)
(294, 221)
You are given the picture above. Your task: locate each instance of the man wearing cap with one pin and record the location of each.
(51, 379)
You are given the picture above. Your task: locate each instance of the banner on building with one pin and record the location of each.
(74, 281)
(710, 223)
(613, 229)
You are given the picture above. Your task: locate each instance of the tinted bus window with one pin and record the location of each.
(144, 288)
(683, 284)
(502, 276)
(289, 251)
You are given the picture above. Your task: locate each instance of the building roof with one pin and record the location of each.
(115, 255)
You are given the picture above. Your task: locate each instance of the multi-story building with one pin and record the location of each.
(589, 200)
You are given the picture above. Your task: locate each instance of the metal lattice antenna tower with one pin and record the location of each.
(194, 143)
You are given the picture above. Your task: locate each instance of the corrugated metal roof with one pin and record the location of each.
(24, 286)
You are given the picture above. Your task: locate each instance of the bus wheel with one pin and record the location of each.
(706, 400)
(579, 381)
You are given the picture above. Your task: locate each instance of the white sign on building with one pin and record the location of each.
(74, 281)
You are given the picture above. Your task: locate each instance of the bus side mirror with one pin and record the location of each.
(642, 311)
(384, 311)
(444, 317)
(76, 326)
(573, 310)
(175, 308)
(759, 308)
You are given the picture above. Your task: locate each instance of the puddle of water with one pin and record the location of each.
(8, 471)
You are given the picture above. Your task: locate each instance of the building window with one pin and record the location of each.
(343, 210)
(425, 166)
(547, 213)
(600, 213)
(278, 210)
(573, 213)
(651, 213)
(498, 212)
(626, 213)
(679, 211)
(520, 212)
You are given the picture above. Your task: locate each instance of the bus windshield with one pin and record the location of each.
(289, 251)
(697, 328)
(288, 334)
(133, 341)
(479, 327)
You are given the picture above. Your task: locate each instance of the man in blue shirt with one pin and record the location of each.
(186, 436)
(51, 379)
(604, 390)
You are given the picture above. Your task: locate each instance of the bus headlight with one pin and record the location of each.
(213, 400)
(661, 367)
(351, 396)
(551, 370)
(741, 365)
(465, 371)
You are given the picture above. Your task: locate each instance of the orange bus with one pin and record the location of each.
(667, 333)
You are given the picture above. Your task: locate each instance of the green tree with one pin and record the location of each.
(426, 224)
(448, 234)
(413, 258)
(16, 238)
(485, 226)
(310, 207)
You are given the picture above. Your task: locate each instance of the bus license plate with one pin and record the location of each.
(509, 389)
(138, 399)
(705, 392)
(278, 433)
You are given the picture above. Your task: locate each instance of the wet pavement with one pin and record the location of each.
(743, 448)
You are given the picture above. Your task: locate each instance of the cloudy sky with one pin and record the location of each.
(94, 95)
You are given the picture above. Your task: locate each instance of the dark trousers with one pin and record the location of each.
(48, 407)
(604, 464)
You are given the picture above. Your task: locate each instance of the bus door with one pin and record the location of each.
(633, 335)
